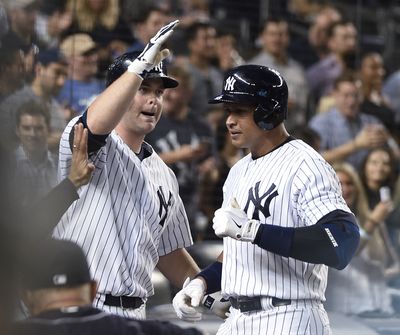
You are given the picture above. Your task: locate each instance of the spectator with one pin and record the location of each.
(82, 86)
(391, 88)
(212, 182)
(342, 42)
(380, 170)
(102, 21)
(183, 141)
(361, 289)
(346, 134)
(36, 167)
(52, 20)
(58, 290)
(145, 25)
(226, 50)
(50, 74)
(22, 18)
(372, 73)
(206, 78)
(275, 42)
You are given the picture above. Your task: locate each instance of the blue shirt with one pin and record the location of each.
(335, 130)
(79, 95)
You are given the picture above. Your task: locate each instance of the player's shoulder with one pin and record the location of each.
(300, 153)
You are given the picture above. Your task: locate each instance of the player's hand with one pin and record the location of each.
(81, 168)
(216, 303)
(188, 298)
(233, 222)
(152, 54)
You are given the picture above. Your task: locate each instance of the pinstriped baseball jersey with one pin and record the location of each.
(128, 215)
(292, 186)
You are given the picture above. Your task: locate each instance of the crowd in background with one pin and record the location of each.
(344, 100)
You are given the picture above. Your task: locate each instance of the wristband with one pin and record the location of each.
(212, 274)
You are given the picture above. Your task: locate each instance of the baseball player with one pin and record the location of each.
(130, 217)
(283, 219)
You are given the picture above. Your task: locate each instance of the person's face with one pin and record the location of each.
(146, 109)
(153, 24)
(97, 6)
(24, 20)
(176, 98)
(349, 191)
(243, 130)
(344, 39)
(377, 167)
(86, 65)
(347, 98)
(276, 37)
(15, 72)
(52, 77)
(204, 43)
(372, 70)
(318, 31)
(32, 132)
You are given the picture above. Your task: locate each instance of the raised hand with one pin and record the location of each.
(81, 168)
(152, 54)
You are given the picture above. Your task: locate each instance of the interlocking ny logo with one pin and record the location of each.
(158, 67)
(230, 83)
(256, 199)
(163, 211)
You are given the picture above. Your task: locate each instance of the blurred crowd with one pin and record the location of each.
(344, 100)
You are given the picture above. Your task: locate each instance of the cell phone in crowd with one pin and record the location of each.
(384, 193)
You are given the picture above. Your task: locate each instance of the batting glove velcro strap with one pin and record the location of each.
(188, 298)
(249, 231)
(151, 56)
(216, 303)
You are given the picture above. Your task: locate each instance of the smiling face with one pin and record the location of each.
(146, 107)
(349, 191)
(378, 167)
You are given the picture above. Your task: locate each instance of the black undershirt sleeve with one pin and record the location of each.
(332, 241)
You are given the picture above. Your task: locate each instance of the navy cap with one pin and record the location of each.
(48, 56)
(55, 263)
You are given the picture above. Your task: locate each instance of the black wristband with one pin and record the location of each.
(212, 274)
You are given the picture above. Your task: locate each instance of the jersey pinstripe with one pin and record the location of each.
(292, 186)
(128, 215)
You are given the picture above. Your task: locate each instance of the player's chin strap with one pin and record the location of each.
(332, 241)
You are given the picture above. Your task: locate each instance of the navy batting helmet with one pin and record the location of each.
(121, 63)
(260, 86)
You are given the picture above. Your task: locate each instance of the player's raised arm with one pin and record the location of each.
(107, 110)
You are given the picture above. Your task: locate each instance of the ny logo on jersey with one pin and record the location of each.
(229, 83)
(256, 199)
(163, 211)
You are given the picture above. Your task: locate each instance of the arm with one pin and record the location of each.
(332, 241)
(46, 212)
(107, 110)
(177, 266)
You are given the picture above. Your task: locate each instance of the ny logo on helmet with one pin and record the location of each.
(158, 67)
(229, 83)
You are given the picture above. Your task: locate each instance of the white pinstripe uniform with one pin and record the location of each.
(127, 216)
(292, 186)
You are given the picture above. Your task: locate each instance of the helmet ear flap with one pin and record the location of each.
(267, 119)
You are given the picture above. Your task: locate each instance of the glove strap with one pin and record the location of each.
(249, 231)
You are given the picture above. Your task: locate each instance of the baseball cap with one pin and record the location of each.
(19, 4)
(121, 63)
(77, 45)
(48, 56)
(55, 263)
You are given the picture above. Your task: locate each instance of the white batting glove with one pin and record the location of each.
(188, 298)
(151, 56)
(233, 222)
(216, 303)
